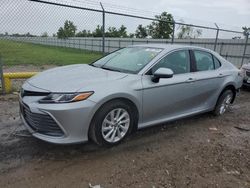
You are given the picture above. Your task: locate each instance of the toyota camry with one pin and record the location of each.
(129, 89)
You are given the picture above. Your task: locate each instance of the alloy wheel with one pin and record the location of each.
(115, 125)
(225, 105)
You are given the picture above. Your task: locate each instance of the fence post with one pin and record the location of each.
(92, 45)
(221, 48)
(103, 29)
(245, 48)
(217, 34)
(172, 41)
(1, 76)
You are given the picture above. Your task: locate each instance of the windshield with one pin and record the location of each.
(130, 60)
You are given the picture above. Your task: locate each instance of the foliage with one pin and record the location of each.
(68, 30)
(141, 32)
(112, 32)
(157, 29)
(123, 31)
(186, 32)
(246, 30)
(118, 33)
(45, 34)
(163, 28)
(98, 31)
(131, 35)
(84, 33)
(22, 35)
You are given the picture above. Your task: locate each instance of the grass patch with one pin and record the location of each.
(21, 53)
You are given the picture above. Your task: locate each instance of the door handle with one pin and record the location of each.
(190, 80)
(220, 75)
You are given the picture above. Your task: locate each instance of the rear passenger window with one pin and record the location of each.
(216, 63)
(204, 61)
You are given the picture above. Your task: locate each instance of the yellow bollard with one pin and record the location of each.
(15, 75)
(7, 84)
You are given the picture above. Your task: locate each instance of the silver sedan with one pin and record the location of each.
(129, 89)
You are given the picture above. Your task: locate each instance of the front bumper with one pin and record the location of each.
(73, 119)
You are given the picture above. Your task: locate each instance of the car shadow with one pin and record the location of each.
(29, 147)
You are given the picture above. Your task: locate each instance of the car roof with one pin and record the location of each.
(170, 47)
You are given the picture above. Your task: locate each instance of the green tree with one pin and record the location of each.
(89, 34)
(84, 33)
(81, 34)
(61, 34)
(117, 33)
(122, 31)
(141, 32)
(186, 31)
(98, 31)
(131, 35)
(45, 34)
(163, 28)
(112, 32)
(246, 30)
(68, 30)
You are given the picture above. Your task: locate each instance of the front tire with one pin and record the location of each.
(112, 123)
(224, 103)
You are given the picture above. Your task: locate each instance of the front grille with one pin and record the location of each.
(33, 93)
(41, 123)
(248, 73)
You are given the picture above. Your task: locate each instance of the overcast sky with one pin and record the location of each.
(229, 12)
(24, 16)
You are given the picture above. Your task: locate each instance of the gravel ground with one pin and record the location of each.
(201, 151)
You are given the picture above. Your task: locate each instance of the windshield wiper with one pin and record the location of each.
(92, 65)
(110, 69)
(106, 68)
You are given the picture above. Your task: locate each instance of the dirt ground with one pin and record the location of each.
(202, 151)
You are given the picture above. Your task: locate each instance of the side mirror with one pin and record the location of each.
(162, 73)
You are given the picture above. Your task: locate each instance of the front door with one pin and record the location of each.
(171, 97)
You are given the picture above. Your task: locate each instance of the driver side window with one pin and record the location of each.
(178, 62)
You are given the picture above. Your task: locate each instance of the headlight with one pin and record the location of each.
(65, 97)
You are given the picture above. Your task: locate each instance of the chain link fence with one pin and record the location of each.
(36, 35)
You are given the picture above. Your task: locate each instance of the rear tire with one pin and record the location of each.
(112, 123)
(224, 102)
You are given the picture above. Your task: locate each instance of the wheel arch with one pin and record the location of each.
(231, 87)
(125, 99)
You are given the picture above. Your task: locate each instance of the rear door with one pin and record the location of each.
(208, 79)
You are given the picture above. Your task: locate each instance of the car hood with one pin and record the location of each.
(72, 78)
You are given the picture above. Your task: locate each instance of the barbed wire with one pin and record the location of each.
(140, 12)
